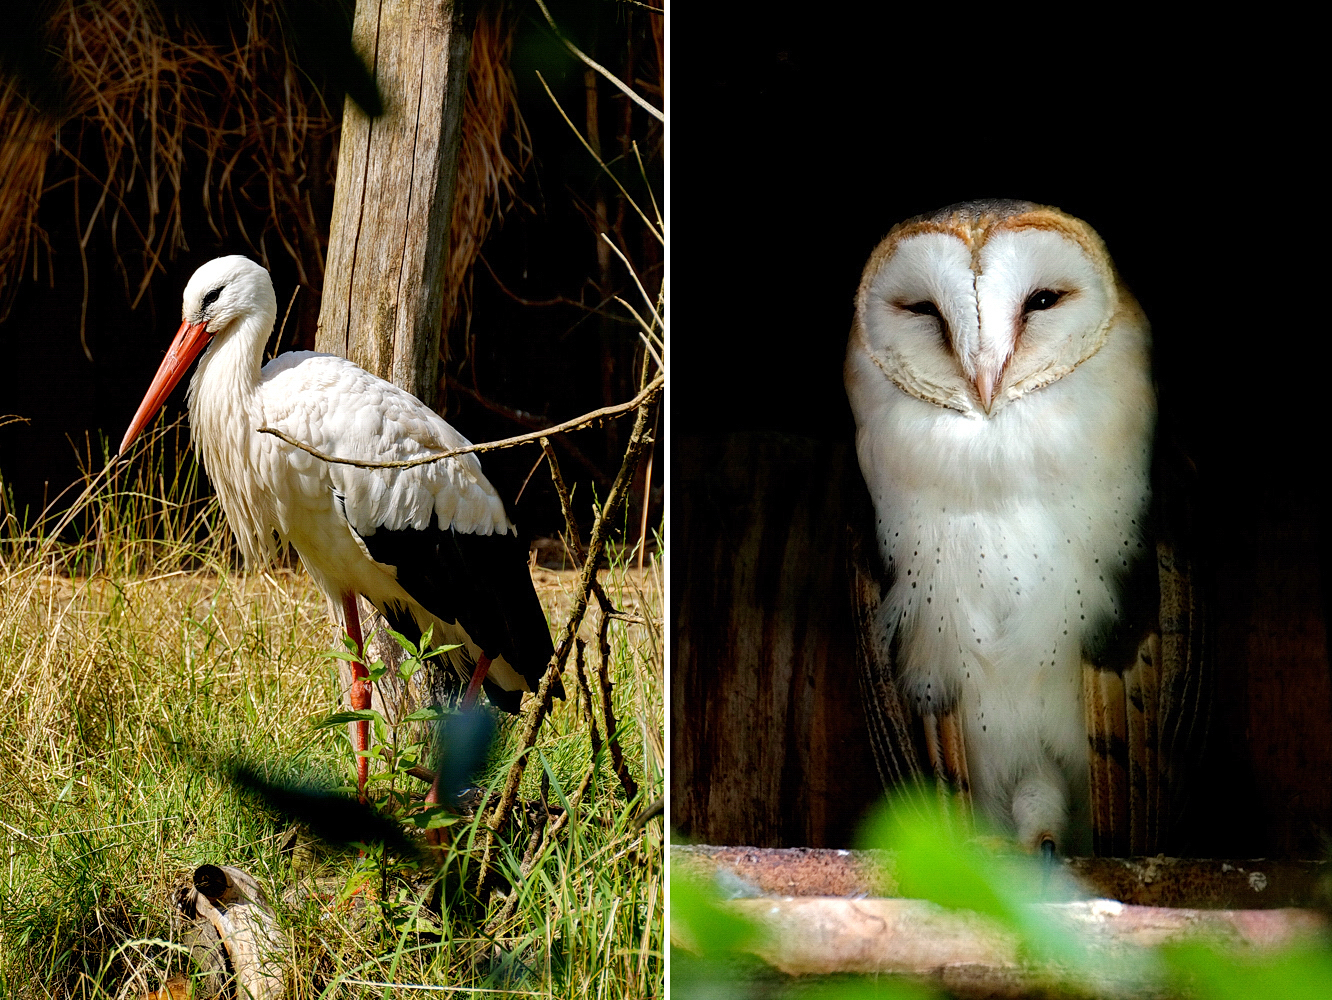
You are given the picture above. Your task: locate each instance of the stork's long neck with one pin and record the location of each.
(228, 373)
(225, 413)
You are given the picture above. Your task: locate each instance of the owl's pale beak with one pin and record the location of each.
(986, 379)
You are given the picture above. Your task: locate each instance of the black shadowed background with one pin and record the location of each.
(798, 140)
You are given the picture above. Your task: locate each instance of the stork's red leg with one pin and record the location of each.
(359, 695)
(434, 837)
(478, 675)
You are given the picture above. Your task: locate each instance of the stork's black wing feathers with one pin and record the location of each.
(480, 582)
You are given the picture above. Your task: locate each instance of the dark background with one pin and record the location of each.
(801, 137)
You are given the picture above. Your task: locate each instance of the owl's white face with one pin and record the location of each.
(973, 314)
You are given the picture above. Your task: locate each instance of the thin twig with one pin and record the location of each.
(286, 316)
(578, 54)
(535, 844)
(651, 228)
(535, 423)
(642, 170)
(578, 423)
(647, 500)
(566, 502)
(634, 274)
(608, 710)
(535, 465)
(580, 670)
(647, 343)
(558, 300)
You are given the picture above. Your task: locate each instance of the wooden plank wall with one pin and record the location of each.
(768, 739)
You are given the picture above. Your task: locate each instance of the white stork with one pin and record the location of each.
(427, 546)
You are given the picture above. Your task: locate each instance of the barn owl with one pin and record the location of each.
(999, 373)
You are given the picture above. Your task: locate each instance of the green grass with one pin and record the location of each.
(133, 650)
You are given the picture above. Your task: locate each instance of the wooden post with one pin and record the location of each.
(389, 239)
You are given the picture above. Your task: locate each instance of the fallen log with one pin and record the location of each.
(825, 912)
(971, 956)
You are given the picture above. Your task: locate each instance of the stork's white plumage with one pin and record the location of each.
(429, 546)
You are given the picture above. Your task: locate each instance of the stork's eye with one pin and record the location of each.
(925, 308)
(210, 298)
(1043, 299)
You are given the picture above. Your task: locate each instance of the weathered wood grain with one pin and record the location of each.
(1203, 884)
(769, 743)
(388, 242)
(970, 956)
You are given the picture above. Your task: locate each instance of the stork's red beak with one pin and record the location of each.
(190, 340)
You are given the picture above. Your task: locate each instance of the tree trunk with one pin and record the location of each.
(389, 239)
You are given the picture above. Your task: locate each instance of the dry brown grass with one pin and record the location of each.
(494, 152)
(160, 117)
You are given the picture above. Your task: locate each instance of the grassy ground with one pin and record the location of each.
(127, 658)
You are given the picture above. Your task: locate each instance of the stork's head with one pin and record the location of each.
(225, 290)
(228, 296)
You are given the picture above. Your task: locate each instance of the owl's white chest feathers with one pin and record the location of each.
(1007, 538)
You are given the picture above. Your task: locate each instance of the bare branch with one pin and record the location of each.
(566, 502)
(587, 585)
(578, 423)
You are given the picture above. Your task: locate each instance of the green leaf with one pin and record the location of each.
(430, 713)
(707, 925)
(1301, 973)
(358, 715)
(407, 668)
(446, 648)
(375, 671)
(939, 858)
(406, 643)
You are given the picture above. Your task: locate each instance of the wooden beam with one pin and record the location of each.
(389, 239)
(1204, 883)
(970, 956)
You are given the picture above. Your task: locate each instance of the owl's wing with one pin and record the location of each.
(891, 735)
(901, 740)
(1147, 695)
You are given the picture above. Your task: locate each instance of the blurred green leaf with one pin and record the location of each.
(943, 857)
(939, 859)
(431, 713)
(714, 930)
(1210, 974)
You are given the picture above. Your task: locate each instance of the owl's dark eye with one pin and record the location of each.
(925, 308)
(1043, 299)
(210, 298)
